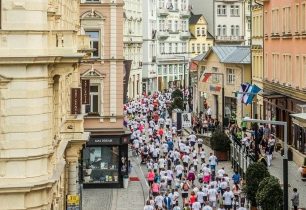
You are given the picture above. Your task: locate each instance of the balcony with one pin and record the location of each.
(162, 34)
(184, 14)
(162, 12)
(185, 35)
(229, 38)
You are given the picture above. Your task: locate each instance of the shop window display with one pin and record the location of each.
(100, 164)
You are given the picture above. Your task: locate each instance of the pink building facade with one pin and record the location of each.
(285, 69)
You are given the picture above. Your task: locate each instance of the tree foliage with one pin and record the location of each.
(255, 173)
(269, 194)
(177, 94)
(219, 141)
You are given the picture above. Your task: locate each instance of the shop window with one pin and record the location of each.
(94, 42)
(101, 164)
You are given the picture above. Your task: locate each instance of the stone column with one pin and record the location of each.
(73, 177)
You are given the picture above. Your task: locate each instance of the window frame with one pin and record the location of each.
(94, 40)
(230, 76)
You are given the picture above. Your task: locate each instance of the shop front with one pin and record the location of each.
(105, 161)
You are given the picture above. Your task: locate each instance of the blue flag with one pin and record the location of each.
(251, 92)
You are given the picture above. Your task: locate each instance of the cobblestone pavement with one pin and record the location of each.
(94, 199)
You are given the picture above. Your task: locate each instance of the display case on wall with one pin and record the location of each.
(104, 162)
(100, 164)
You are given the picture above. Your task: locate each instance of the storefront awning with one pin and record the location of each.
(300, 116)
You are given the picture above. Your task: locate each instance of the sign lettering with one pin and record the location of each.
(75, 101)
(85, 91)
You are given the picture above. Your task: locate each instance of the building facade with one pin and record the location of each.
(102, 74)
(201, 40)
(166, 49)
(233, 67)
(285, 68)
(41, 126)
(257, 58)
(133, 45)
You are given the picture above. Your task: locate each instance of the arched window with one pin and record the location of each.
(232, 30)
(237, 30)
(219, 30)
(224, 30)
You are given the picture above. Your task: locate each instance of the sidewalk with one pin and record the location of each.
(294, 178)
(132, 198)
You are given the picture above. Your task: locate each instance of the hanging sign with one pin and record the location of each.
(85, 91)
(186, 120)
(75, 101)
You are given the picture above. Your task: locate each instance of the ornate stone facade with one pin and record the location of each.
(39, 139)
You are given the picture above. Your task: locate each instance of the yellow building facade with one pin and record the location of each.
(201, 40)
(257, 58)
(41, 128)
(233, 64)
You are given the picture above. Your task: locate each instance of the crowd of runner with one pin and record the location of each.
(181, 174)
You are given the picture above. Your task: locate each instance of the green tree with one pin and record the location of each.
(269, 194)
(177, 94)
(177, 103)
(255, 173)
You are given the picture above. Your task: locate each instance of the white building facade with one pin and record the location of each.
(166, 44)
(133, 45)
(229, 22)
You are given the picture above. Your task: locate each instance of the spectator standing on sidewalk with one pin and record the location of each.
(295, 199)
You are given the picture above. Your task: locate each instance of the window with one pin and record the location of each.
(94, 42)
(176, 47)
(224, 30)
(162, 48)
(297, 18)
(180, 68)
(286, 20)
(175, 69)
(170, 69)
(230, 74)
(159, 70)
(184, 47)
(221, 10)
(237, 30)
(249, 24)
(175, 5)
(198, 48)
(304, 72)
(94, 99)
(165, 69)
(232, 30)
(215, 78)
(193, 47)
(92, 1)
(203, 48)
(232, 10)
(170, 47)
(176, 25)
(236, 10)
(209, 46)
(198, 32)
(169, 25)
(219, 30)
(303, 18)
(203, 32)
(161, 4)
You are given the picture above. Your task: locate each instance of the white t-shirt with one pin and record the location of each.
(202, 154)
(200, 196)
(212, 194)
(179, 169)
(221, 172)
(169, 175)
(200, 141)
(207, 208)
(205, 191)
(159, 200)
(213, 160)
(228, 196)
(148, 207)
(192, 138)
(196, 206)
(186, 158)
(161, 162)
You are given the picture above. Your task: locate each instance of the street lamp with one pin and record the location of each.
(222, 94)
(285, 157)
(184, 69)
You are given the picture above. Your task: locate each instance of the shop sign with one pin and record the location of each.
(104, 141)
(85, 91)
(73, 202)
(186, 120)
(75, 101)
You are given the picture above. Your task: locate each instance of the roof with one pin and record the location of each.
(194, 19)
(199, 57)
(301, 116)
(209, 36)
(232, 54)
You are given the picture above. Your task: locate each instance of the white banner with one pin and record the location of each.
(186, 120)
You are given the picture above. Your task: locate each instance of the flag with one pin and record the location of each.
(242, 90)
(251, 92)
(193, 66)
(206, 77)
(216, 88)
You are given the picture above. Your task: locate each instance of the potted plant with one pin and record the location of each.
(220, 143)
(269, 190)
(255, 173)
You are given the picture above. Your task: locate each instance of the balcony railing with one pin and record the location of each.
(162, 34)
(229, 38)
(185, 34)
(162, 12)
(184, 14)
